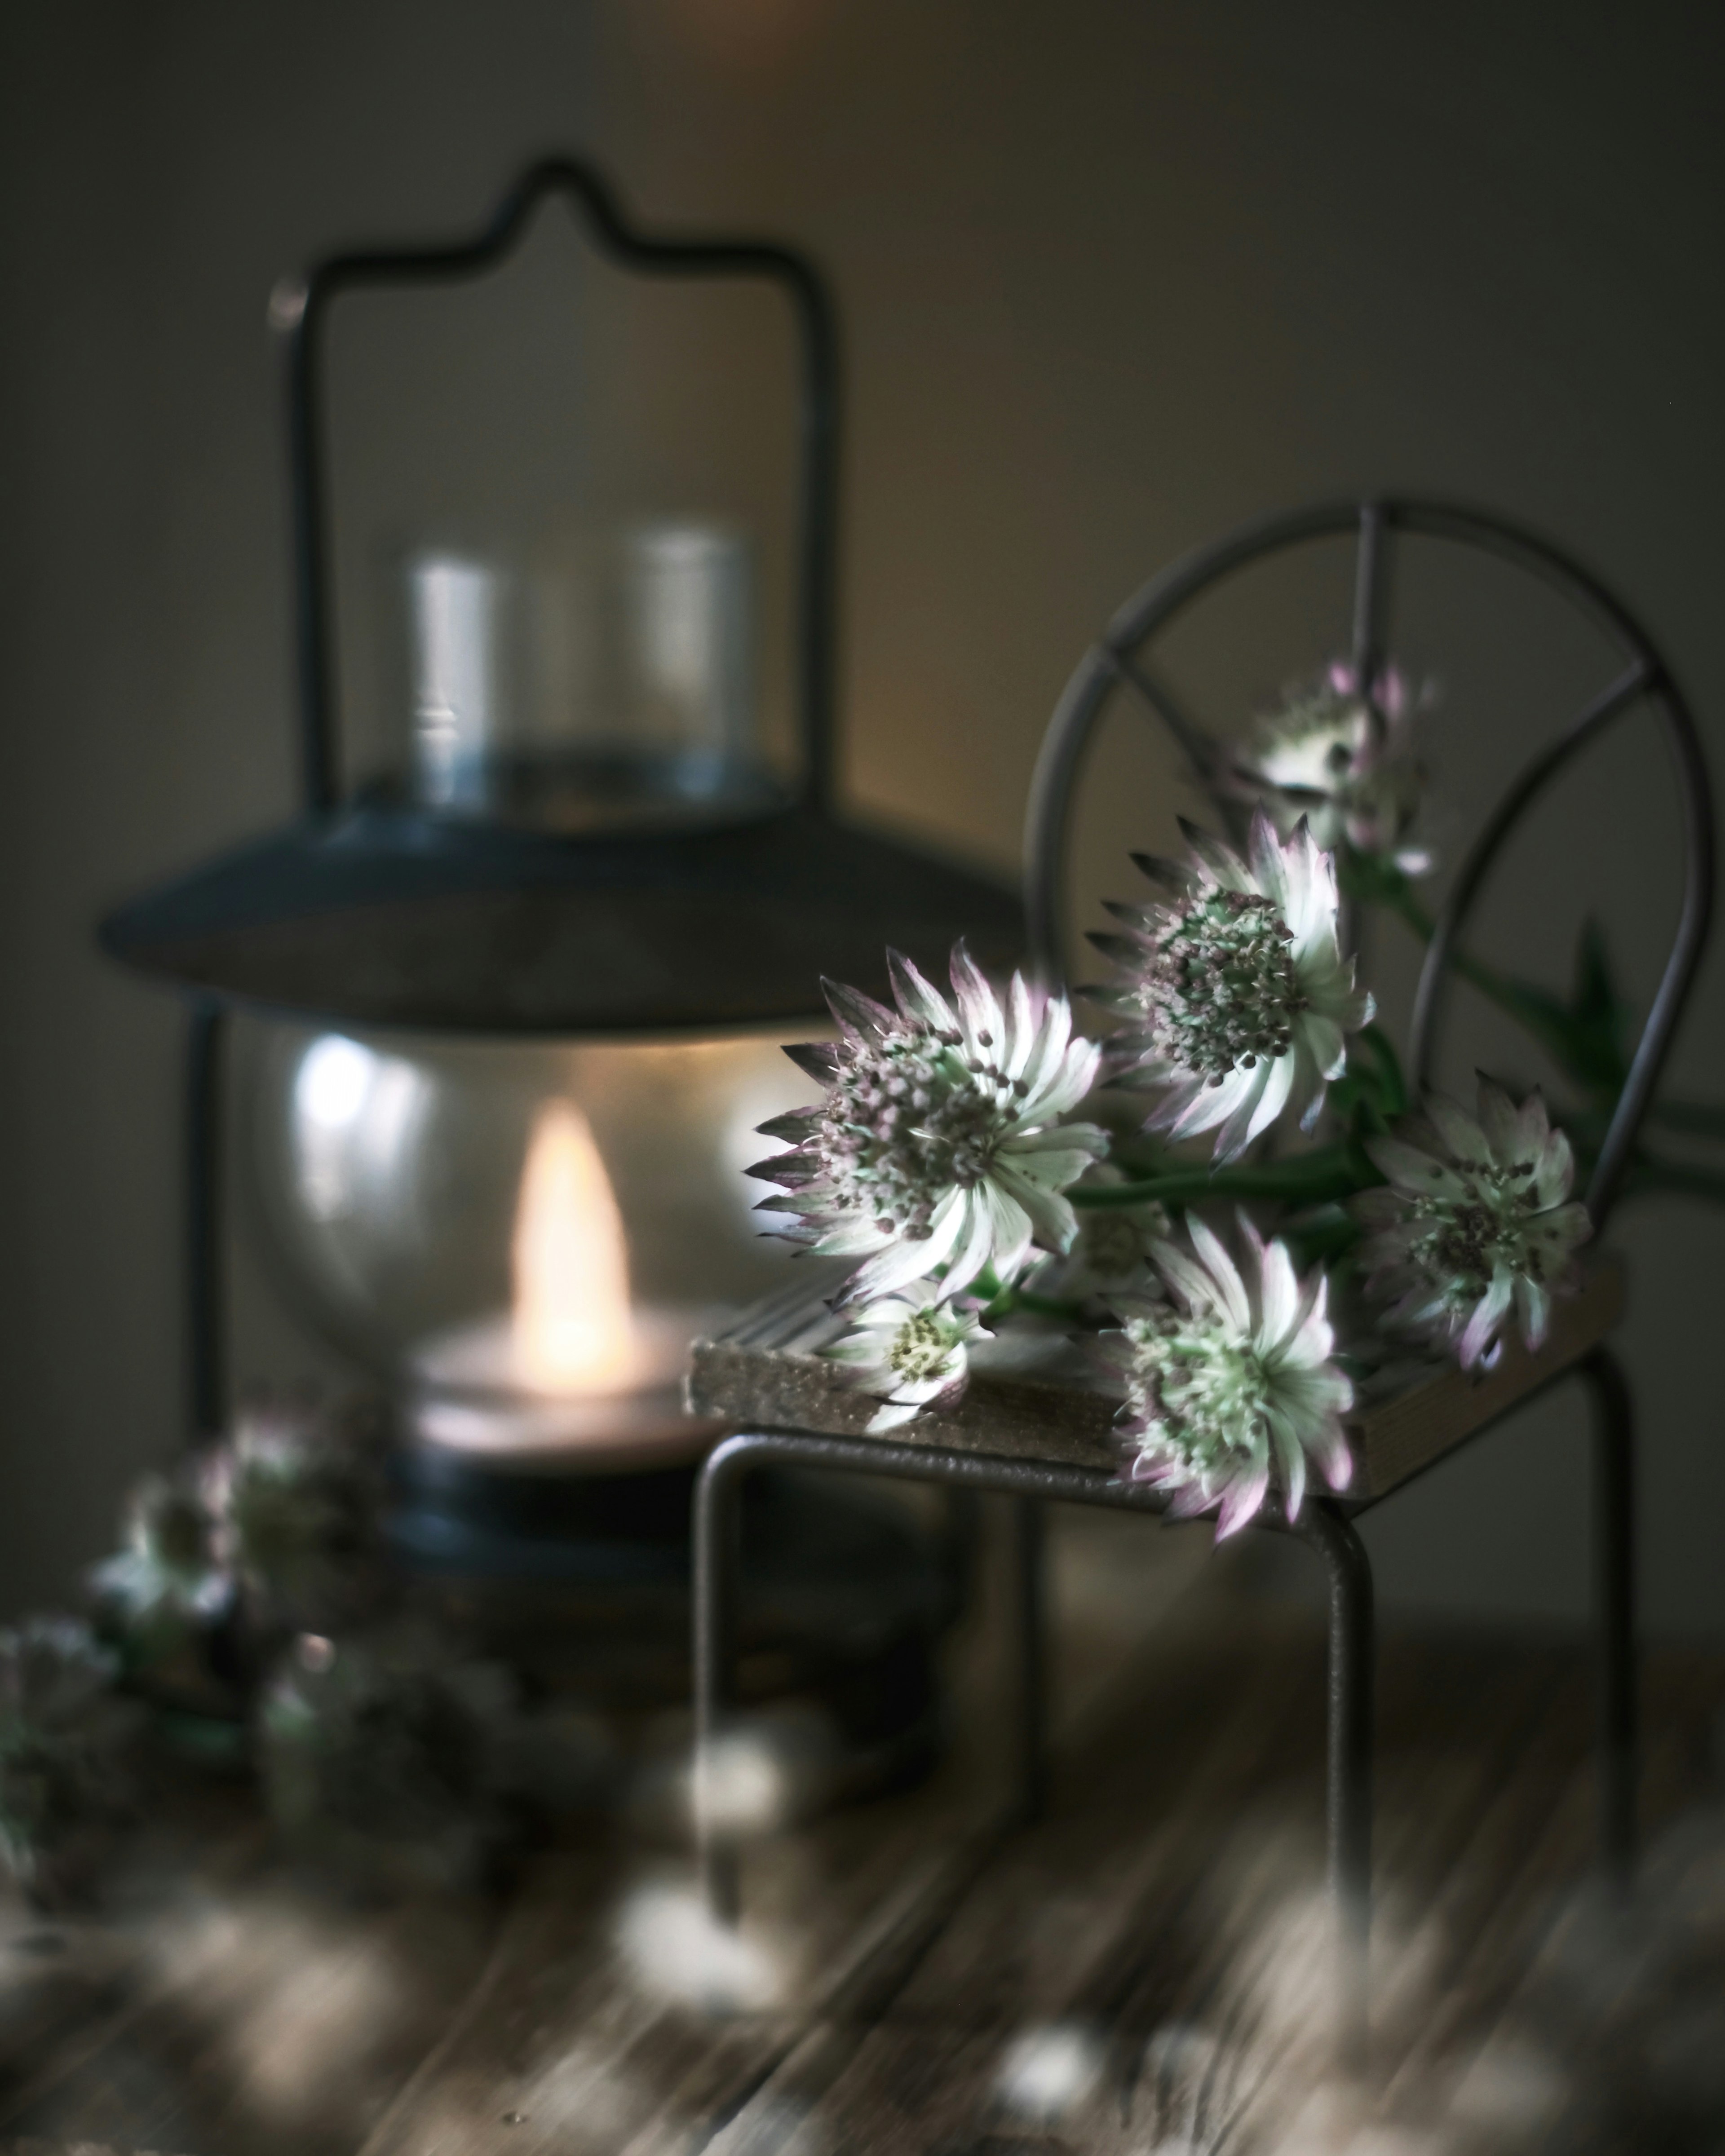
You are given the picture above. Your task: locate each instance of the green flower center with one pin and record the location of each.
(1205, 1389)
(1470, 1238)
(919, 1346)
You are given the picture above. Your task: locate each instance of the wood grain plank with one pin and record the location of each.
(1161, 1940)
(267, 2021)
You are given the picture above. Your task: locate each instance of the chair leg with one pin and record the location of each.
(1030, 1643)
(1615, 1592)
(717, 1560)
(1352, 1671)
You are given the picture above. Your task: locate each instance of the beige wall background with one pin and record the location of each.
(1116, 274)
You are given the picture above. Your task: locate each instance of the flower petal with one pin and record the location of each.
(918, 998)
(1236, 1133)
(979, 1010)
(1242, 1500)
(1230, 1295)
(1488, 1314)
(1459, 1131)
(859, 1015)
(1290, 1454)
(1419, 1173)
(1051, 1220)
(902, 1261)
(1278, 1297)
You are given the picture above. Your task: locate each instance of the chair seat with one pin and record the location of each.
(1038, 1396)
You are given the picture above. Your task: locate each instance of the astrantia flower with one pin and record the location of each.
(1476, 1222)
(910, 1351)
(939, 1145)
(1236, 992)
(1344, 761)
(1229, 1385)
(291, 1497)
(1111, 1253)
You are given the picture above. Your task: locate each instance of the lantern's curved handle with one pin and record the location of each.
(297, 310)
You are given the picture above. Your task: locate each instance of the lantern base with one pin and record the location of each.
(844, 1592)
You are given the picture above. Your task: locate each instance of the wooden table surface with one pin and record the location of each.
(1141, 1972)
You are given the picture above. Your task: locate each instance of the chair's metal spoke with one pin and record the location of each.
(1200, 752)
(1371, 600)
(1533, 781)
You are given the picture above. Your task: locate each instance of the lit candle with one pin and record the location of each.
(573, 1331)
(574, 1366)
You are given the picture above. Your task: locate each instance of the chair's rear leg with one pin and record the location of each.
(1352, 1673)
(1614, 1609)
(1031, 1645)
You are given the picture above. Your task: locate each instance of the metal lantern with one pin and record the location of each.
(524, 992)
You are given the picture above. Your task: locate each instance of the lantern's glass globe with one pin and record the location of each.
(413, 1189)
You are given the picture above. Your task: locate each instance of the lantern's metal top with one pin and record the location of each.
(376, 912)
(377, 918)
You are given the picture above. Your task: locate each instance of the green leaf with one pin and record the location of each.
(1372, 1081)
(1587, 1034)
(1599, 1013)
(1374, 879)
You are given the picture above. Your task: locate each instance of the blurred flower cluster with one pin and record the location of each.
(66, 1739)
(1342, 756)
(249, 1621)
(271, 1531)
(976, 1155)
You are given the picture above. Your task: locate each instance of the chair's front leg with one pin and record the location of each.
(1352, 1673)
(1032, 1649)
(1615, 1609)
(717, 1556)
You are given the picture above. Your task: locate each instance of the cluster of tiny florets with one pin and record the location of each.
(1218, 985)
(1497, 1224)
(921, 1345)
(1195, 1388)
(907, 1119)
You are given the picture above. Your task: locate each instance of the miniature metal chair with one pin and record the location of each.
(1039, 1438)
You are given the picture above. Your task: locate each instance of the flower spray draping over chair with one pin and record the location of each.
(941, 1154)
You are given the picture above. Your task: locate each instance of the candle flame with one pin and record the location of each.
(572, 1329)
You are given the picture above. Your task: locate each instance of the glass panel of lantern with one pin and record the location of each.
(520, 1237)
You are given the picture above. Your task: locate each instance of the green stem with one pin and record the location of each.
(1011, 1300)
(1322, 1178)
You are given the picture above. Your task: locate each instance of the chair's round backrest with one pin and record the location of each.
(1117, 664)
